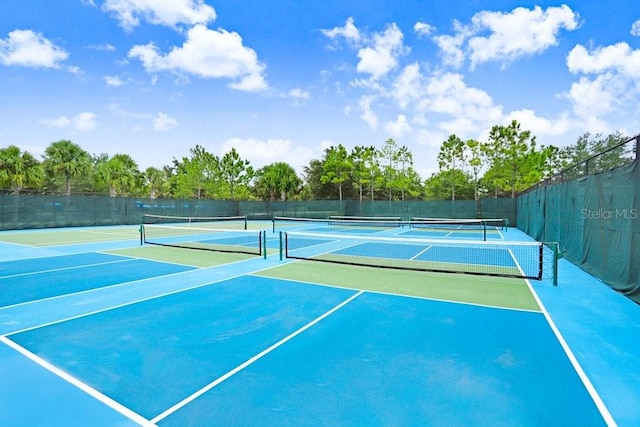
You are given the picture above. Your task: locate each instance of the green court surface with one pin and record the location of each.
(483, 290)
(182, 256)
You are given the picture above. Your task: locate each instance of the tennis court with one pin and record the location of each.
(307, 324)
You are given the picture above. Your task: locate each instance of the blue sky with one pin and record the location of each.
(281, 81)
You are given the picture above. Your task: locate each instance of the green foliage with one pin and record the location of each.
(439, 185)
(120, 173)
(277, 179)
(614, 154)
(19, 169)
(365, 169)
(65, 160)
(235, 175)
(336, 167)
(508, 162)
(516, 162)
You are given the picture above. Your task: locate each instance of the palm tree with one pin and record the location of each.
(120, 173)
(277, 179)
(157, 181)
(19, 169)
(66, 160)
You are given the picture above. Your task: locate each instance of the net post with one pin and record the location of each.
(245, 223)
(273, 221)
(484, 231)
(263, 236)
(141, 230)
(540, 260)
(555, 263)
(281, 246)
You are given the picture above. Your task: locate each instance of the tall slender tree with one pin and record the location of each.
(451, 157)
(336, 167)
(236, 174)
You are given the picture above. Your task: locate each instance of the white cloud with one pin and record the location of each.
(618, 57)
(635, 28)
(398, 128)
(103, 47)
(262, 153)
(209, 54)
(521, 32)
(593, 98)
(298, 95)
(57, 122)
(367, 114)
(451, 46)
(349, 32)
(28, 49)
(382, 55)
(163, 121)
(447, 93)
(170, 13)
(540, 126)
(378, 53)
(407, 87)
(608, 87)
(118, 111)
(423, 29)
(84, 121)
(113, 81)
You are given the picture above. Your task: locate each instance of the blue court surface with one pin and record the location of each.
(104, 339)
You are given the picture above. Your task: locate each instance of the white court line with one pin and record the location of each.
(606, 415)
(79, 384)
(31, 273)
(420, 253)
(250, 361)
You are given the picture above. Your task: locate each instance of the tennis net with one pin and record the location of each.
(459, 224)
(222, 222)
(337, 222)
(188, 236)
(505, 259)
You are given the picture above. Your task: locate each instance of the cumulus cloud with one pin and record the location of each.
(381, 56)
(378, 53)
(298, 95)
(170, 13)
(607, 86)
(399, 127)
(619, 58)
(84, 121)
(26, 48)
(262, 153)
(366, 112)
(163, 121)
(521, 32)
(348, 32)
(635, 28)
(113, 81)
(209, 54)
(423, 29)
(542, 126)
(407, 87)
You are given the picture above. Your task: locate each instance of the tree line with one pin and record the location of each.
(507, 163)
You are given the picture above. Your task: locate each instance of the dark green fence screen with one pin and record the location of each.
(596, 220)
(45, 211)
